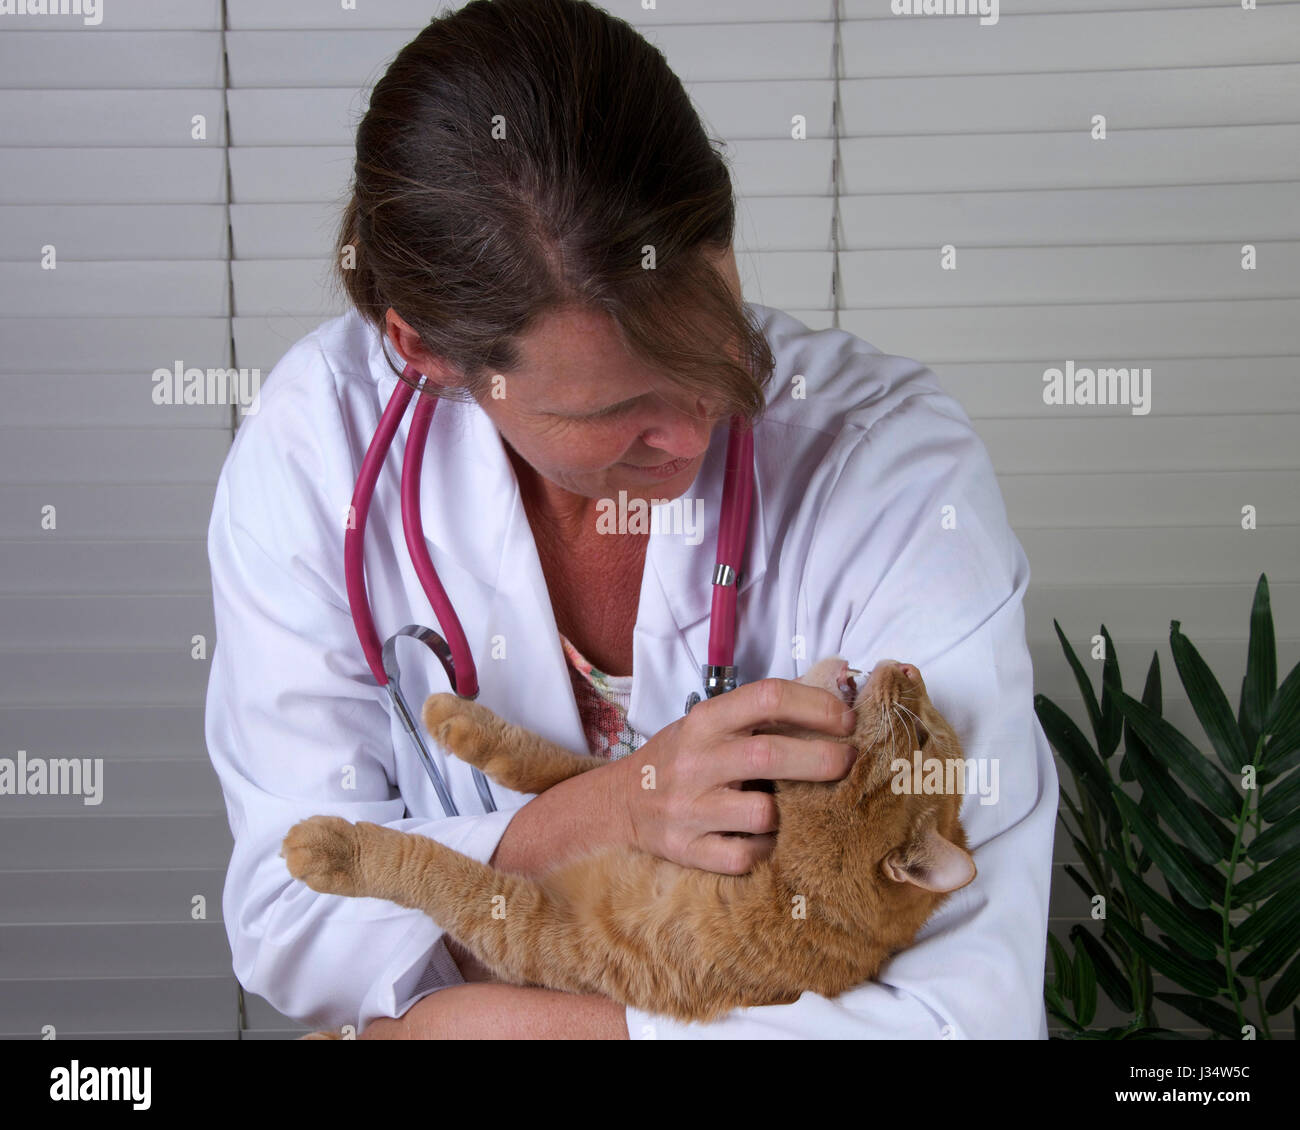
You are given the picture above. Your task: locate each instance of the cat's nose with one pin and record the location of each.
(892, 668)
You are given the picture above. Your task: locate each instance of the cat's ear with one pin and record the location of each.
(931, 862)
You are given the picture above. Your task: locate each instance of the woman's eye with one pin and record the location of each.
(611, 412)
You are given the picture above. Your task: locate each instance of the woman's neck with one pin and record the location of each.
(568, 518)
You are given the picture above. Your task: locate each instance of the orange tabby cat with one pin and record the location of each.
(856, 871)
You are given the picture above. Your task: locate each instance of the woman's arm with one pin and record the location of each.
(584, 812)
(491, 1011)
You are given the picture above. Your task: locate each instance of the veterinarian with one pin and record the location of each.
(541, 227)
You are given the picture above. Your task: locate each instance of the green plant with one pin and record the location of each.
(1198, 845)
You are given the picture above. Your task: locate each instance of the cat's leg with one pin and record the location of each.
(501, 918)
(517, 758)
(687, 944)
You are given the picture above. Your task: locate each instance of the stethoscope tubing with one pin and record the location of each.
(454, 651)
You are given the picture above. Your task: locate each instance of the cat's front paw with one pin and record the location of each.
(325, 853)
(455, 724)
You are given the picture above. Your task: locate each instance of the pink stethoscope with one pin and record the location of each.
(453, 652)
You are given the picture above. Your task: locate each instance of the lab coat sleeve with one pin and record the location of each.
(913, 560)
(295, 726)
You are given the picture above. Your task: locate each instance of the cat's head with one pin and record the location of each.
(907, 777)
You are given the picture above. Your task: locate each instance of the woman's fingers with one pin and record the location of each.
(732, 855)
(776, 702)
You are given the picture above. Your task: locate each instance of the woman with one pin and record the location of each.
(540, 226)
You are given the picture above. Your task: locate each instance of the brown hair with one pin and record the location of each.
(518, 157)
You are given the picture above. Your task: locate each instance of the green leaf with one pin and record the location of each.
(1176, 753)
(1085, 685)
(1284, 990)
(1260, 681)
(1280, 838)
(1083, 883)
(1119, 947)
(1284, 710)
(1277, 948)
(1173, 806)
(1191, 976)
(1068, 801)
(1085, 987)
(1062, 968)
(1111, 723)
(1209, 702)
(1068, 740)
(1276, 803)
(1104, 1034)
(1151, 695)
(1057, 1006)
(1151, 700)
(1223, 833)
(1113, 983)
(1210, 1013)
(1158, 1034)
(1168, 856)
(1278, 914)
(1209, 922)
(1281, 754)
(1211, 968)
(1086, 855)
(1214, 880)
(1282, 874)
(1165, 915)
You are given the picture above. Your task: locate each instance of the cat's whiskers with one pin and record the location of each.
(916, 720)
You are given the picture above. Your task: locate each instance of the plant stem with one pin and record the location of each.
(1254, 869)
(1227, 893)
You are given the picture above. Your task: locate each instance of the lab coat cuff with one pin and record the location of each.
(649, 1026)
(441, 973)
(424, 964)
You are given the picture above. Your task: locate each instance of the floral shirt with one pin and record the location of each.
(602, 704)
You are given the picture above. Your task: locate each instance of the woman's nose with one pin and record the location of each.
(684, 434)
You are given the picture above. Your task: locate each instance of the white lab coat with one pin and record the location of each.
(856, 465)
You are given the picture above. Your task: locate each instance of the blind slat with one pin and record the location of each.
(111, 730)
(1103, 215)
(1133, 330)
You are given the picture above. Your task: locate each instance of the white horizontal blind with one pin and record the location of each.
(100, 934)
(1125, 251)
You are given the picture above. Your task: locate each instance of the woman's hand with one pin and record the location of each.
(682, 788)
